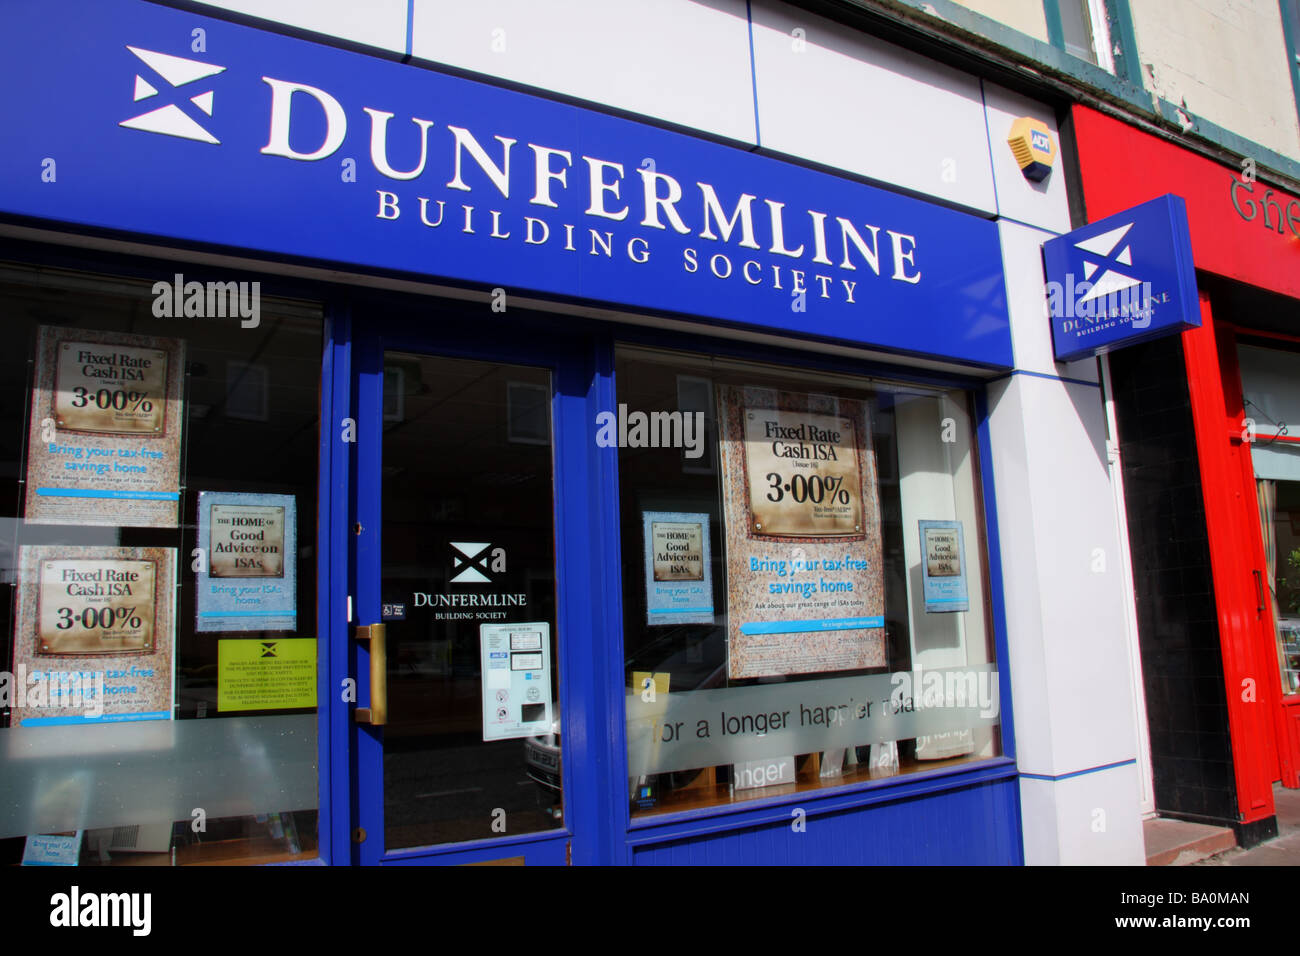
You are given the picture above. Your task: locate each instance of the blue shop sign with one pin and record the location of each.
(269, 143)
(1122, 280)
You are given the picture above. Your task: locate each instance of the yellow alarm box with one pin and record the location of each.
(1031, 144)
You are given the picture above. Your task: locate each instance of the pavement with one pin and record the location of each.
(1283, 850)
(1172, 842)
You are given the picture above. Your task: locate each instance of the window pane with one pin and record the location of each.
(159, 548)
(1271, 398)
(471, 748)
(1076, 22)
(1279, 511)
(799, 552)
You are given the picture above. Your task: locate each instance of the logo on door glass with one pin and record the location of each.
(474, 562)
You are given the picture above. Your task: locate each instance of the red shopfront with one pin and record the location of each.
(1212, 482)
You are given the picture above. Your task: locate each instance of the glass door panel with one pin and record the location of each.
(467, 595)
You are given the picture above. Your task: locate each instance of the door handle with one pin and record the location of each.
(1259, 591)
(376, 715)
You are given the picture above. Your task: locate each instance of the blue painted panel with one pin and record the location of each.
(993, 555)
(264, 142)
(973, 826)
(366, 454)
(1122, 280)
(590, 608)
(333, 718)
(539, 849)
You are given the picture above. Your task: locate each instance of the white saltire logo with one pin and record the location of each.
(470, 560)
(1112, 279)
(171, 120)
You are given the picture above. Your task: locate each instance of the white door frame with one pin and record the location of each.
(1146, 801)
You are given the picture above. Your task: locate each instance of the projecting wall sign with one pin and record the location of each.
(292, 148)
(1121, 280)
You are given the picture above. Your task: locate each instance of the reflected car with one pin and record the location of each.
(542, 764)
(697, 665)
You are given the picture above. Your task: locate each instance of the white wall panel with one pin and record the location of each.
(1042, 844)
(1098, 822)
(1086, 820)
(1031, 324)
(1079, 576)
(1043, 204)
(1062, 569)
(677, 60)
(378, 23)
(1019, 558)
(835, 96)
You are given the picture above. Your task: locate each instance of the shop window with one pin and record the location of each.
(529, 413)
(159, 452)
(1279, 509)
(1271, 401)
(812, 612)
(247, 394)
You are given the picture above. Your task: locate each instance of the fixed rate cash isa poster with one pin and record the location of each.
(104, 440)
(93, 635)
(805, 582)
(248, 574)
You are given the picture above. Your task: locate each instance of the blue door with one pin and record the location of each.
(478, 650)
